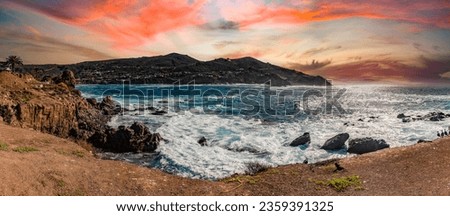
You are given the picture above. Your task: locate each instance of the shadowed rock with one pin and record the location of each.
(432, 116)
(336, 142)
(109, 107)
(136, 138)
(92, 101)
(202, 141)
(366, 145)
(304, 139)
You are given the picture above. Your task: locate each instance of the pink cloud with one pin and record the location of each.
(433, 12)
(127, 23)
(385, 70)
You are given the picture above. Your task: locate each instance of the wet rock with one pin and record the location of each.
(92, 101)
(348, 124)
(304, 139)
(139, 128)
(109, 106)
(401, 115)
(136, 138)
(159, 112)
(202, 141)
(432, 116)
(366, 145)
(336, 142)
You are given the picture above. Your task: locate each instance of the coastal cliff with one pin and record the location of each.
(57, 108)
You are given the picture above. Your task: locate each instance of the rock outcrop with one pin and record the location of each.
(202, 141)
(366, 145)
(59, 109)
(136, 138)
(336, 142)
(432, 116)
(304, 139)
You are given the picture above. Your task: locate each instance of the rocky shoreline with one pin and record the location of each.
(57, 108)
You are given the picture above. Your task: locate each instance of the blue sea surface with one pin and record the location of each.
(255, 123)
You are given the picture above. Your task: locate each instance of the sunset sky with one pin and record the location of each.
(399, 41)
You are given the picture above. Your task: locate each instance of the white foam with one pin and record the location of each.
(234, 141)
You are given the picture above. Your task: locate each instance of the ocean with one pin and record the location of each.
(246, 124)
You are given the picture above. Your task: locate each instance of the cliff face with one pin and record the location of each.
(57, 108)
(50, 108)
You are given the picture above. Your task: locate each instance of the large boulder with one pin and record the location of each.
(366, 145)
(336, 142)
(432, 116)
(109, 107)
(136, 138)
(202, 141)
(67, 77)
(304, 139)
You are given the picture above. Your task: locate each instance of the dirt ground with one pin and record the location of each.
(33, 163)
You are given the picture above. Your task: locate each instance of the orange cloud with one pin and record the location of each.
(127, 23)
(432, 12)
(156, 17)
(241, 54)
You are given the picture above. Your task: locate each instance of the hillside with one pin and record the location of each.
(170, 68)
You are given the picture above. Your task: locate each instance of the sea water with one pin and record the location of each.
(255, 123)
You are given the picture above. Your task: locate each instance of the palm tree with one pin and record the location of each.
(13, 61)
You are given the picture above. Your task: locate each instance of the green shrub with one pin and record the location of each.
(25, 149)
(342, 183)
(3, 146)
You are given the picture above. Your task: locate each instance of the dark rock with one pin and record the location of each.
(432, 116)
(338, 167)
(92, 101)
(136, 138)
(69, 78)
(348, 124)
(365, 145)
(109, 106)
(304, 139)
(423, 141)
(336, 142)
(360, 119)
(401, 115)
(202, 141)
(436, 118)
(139, 128)
(159, 112)
(152, 108)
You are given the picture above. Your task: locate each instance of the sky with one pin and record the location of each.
(397, 41)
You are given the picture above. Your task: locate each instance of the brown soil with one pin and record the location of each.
(61, 167)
